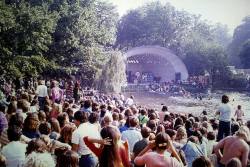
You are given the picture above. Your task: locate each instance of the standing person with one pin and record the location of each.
(42, 93)
(84, 128)
(225, 112)
(76, 92)
(162, 113)
(239, 113)
(234, 147)
(69, 90)
(56, 92)
(130, 101)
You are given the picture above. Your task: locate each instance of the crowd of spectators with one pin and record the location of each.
(62, 126)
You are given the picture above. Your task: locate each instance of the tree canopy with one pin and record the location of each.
(84, 37)
(38, 36)
(200, 45)
(240, 43)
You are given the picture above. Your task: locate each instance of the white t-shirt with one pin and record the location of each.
(129, 102)
(42, 91)
(85, 129)
(225, 112)
(14, 152)
(133, 136)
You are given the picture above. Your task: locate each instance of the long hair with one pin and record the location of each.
(66, 134)
(31, 123)
(68, 159)
(110, 155)
(181, 133)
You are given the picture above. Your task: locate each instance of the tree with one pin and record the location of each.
(83, 34)
(245, 54)
(189, 37)
(113, 76)
(24, 39)
(153, 24)
(69, 36)
(241, 35)
(221, 35)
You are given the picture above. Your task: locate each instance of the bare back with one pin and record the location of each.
(234, 147)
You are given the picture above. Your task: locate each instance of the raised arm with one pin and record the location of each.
(140, 158)
(96, 150)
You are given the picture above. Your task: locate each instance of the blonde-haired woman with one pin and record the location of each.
(181, 135)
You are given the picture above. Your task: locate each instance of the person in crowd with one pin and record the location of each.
(234, 147)
(130, 101)
(181, 135)
(42, 93)
(14, 151)
(211, 143)
(239, 113)
(84, 128)
(66, 134)
(34, 106)
(192, 150)
(77, 92)
(108, 131)
(36, 145)
(42, 116)
(68, 159)
(202, 162)
(55, 129)
(224, 112)
(140, 145)
(63, 119)
(56, 110)
(202, 141)
(162, 113)
(113, 151)
(15, 120)
(12, 107)
(189, 128)
(3, 119)
(86, 107)
(157, 157)
(115, 117)
(132, 134)
(143, 118)
(30, 126)
(52, 144)
(234, 162)
(37, 159)
(56, 92)
(70, 90)
(22, 108)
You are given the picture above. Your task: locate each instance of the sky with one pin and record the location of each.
(229, 12)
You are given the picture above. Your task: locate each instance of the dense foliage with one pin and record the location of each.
(239, 48)
(81, 37)
(200, 45)
(56, 36)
